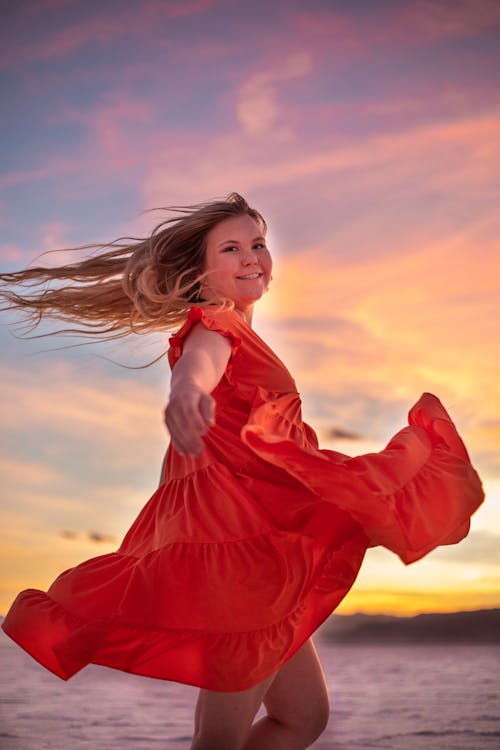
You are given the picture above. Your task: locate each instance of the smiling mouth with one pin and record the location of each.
(250, 276)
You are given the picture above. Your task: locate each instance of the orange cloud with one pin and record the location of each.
(410, 324)
(112, 412)
(450, 155)
(33, 473)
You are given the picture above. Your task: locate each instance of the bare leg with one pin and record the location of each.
(295, 697)
(297, 705)
(223, 720)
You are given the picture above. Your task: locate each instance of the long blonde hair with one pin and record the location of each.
(127, 287)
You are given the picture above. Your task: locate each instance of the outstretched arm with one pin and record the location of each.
(191, 408)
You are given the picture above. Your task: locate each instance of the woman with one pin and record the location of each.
(255, 534)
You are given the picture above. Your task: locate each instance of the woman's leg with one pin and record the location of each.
(297, 704)
(223, 720)
(295, 697)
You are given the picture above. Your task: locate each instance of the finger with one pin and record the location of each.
(207, 408)
(176, 430)
(182, 441)
(192, 416)
(185, 438)
(189, 449)
(189, 437)
(183, 444)
(185, 415)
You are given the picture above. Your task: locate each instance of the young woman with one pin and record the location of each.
(254, 535)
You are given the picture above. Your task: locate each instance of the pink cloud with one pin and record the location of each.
(102, 29)
(257, 106)
(53, 167)
(330, 32)
(433, 19)
(338, 35)
(41, 7)
(419, 292)
(10, 252)
(441, 155)
(343, 37)
(189, 7)
(107, 122)
(54, 234)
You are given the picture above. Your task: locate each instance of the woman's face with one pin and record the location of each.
(238, 261)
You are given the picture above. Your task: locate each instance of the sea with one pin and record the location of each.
(397, 697)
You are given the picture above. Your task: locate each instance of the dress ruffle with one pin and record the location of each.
(417, 493)
(219, 322)
(243, 552)
(220, 608)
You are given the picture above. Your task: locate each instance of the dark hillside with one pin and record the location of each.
(479, 626)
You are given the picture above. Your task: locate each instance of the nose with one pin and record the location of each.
(249, 257)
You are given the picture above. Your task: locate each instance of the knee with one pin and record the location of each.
(316, 721)
(309, 723)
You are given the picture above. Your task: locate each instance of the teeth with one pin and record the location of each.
(250, 276)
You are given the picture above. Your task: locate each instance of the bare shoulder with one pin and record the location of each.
(202, 338)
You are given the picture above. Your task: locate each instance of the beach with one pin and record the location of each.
(396, 697)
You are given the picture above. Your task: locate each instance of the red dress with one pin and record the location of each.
(243, 552)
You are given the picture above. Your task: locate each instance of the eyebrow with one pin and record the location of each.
(236, 242)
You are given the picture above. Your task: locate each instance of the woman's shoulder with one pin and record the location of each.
(218, 312)
(222, 320)
(214, 317)
(214, 312)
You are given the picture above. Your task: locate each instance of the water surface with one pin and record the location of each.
(401, 697)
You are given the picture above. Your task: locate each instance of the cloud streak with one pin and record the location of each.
(96, 537)
(65, 38)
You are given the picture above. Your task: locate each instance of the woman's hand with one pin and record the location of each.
(188, 416)
(191, 408)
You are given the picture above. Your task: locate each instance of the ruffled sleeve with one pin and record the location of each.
(221, 320)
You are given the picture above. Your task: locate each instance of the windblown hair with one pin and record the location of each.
(130, 285)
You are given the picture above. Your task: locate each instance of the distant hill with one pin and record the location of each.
(479, 626)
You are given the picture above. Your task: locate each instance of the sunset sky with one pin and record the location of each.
(367, 133)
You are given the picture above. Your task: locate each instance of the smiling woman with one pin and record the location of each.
(240, 270)
(255, 535)
(137, 286)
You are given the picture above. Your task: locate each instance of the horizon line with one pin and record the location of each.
(401, 616)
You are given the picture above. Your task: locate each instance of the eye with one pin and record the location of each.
(229, 249)
(259, 246)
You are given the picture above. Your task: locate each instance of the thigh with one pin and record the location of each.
(295, 696)
(298, 696)
(227, 717)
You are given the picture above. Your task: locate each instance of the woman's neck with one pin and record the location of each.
(246, 313)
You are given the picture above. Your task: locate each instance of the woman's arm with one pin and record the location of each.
(191, 408)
